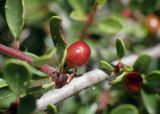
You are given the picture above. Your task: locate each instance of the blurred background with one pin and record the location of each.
(137, 22)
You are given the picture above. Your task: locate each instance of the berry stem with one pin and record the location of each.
(22, 56)
(89, 20)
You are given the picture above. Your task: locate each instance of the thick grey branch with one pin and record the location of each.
(77, 84)
(86, 80)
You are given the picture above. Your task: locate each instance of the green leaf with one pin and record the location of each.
(33, 56)
(84, 6)
(51, 109)
(6, 98)
(27, 105)
(35, 7)
(76, 5)
(118, 79)
(153, 79)
(154, 75)
(44, 59)
(150, 102)
(101, 3)
(38, 72)
(41, 113)
(142, 63)
(58, 39)
(106, 66)
(14, 11)
(78, 15)
(3, 83)
(18, 75)
(120, 48)
(111, 25)
(38, 91)
(125, 109)
(128, 68)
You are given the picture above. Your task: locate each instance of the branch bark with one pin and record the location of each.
(86, 80)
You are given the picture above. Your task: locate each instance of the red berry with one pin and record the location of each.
(78, 54)
(133, 82)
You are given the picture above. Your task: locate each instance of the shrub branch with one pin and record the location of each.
(86, 80)
(22, 56)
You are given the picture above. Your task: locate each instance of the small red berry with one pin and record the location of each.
(133, 82)
(78, 54)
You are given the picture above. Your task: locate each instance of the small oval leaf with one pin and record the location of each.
(120, 48)
(51, 109)
(17, 74)
(14, 11)
(153, 80)
(125, 109)
(142, 63)
(106, 66)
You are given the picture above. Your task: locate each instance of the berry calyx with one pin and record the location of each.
(61, 80)
(119, 67)
(78, 54)
(133, 82)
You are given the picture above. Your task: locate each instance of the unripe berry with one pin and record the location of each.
(133, 82)
(78, 54)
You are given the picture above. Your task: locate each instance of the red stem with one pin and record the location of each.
(89, 20)
(22, 56)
